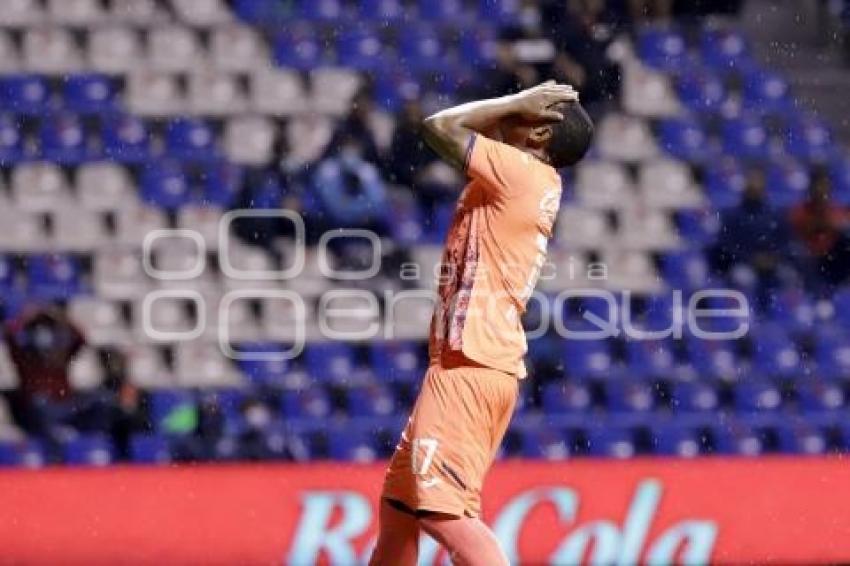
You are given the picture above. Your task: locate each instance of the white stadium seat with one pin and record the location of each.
(100, 320)
(39, 187)
(146, 367)
(631, 270)
(119, 274)
(278, 92)
(665, 183)
(22, 231)
(51, 50)
(78, 229)
(105, 186)
(202, 364)
(582, 228)
(236, 48)
(133, 224)
(625, 138)
(647, 230)
(215, 93)
(331, 89)
(154, 93)
(603, 184)
(114, 49)
(85, 371)
(137, 12)
(80, 13)
(21, 13)
(201, 13)
(173, 49)
(249, 140)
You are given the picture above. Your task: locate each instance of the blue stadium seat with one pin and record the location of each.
(793, 309)
(381, 11)
(221, 182)
(373, 400)
(396, 360)
(650, 358)
(330, 361)
(24, 94)
(567, 396)
(421, 49)
(89, 93)
(663, 49)
(832, 351)
(499, 11)
(800, 438)
(766, 91)
(673, 439)
(787, 182)
(685, 270)
(63, 140)
(477, 45)
(684, 138)
(629, 395)
(698, 227)
(8, 274)
(271, 369)
(713, 358)
(587, 358)
(12, 147)
(746, 138)
(352, 444)
(724, 49)
(126, 139)
(839, 175)
(756, 395)
(24, 453)
(361, 48)
(819, 395)
(694, 397)
(701, 91)
(724, 182)
(89, 450)
(544, 441)
(310, 402)
(393, 87)
(297, 47)
(322, 10)
(775, 354)
(841, 307)
(810, 139)
(258, 12)
(190, 139)
(164, 184)
(149, 449)
(736, 438)
(611, 442)
(442, 10)
(54, 276)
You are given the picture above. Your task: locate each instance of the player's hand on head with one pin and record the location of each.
(536, 103)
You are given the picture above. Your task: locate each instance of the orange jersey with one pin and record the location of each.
(494, 252)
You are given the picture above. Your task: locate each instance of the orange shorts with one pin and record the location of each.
(451, 438)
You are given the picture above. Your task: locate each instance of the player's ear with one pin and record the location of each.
(539, 136)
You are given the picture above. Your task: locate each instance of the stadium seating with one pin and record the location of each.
(120, 118)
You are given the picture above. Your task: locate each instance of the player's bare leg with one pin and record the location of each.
(468, 540)
(398, 538)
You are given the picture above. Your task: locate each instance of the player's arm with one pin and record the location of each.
(449, 131)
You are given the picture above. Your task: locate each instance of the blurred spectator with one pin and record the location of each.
(412, 163)
(582, 31)
(821, 225)
(509, 74)
(650, 10)
(355, 130)
(42, 343)
(351, 192)
(752, 235)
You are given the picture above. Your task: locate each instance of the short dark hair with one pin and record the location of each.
(571, 136)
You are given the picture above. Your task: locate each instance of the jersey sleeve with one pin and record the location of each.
(500, 167)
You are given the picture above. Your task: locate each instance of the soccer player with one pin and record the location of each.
(510, 148)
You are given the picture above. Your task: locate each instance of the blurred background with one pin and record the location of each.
(128, 128)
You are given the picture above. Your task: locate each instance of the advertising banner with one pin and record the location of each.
(652, 511)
